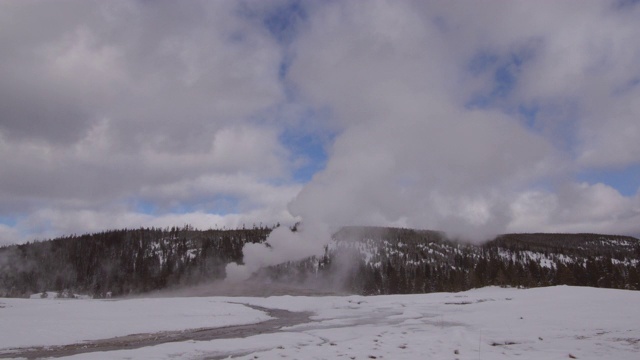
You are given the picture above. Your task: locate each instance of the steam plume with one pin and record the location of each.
(282, 245)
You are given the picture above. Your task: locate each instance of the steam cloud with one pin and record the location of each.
(282, 245)
(429, 136)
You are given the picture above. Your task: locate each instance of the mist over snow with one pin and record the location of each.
(479, 119)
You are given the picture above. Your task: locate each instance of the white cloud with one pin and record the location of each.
(49, 223)
(581, 69)
(104, 104)
(410, 153)
(110, 102)
(577, 207)
(8, 235)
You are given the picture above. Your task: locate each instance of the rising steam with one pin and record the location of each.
(281, 246)
(422, 142)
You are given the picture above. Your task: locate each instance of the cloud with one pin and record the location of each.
(107, 103)
(577, 207)
(578, 67)
(48, 223)
(153, 68)
(8, 235)
(410, 152)
(421, 114)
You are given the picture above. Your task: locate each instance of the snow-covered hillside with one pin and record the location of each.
(359, 260)
(489, 323)
(376, 261)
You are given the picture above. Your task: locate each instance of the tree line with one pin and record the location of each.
(363, 260)
(403, 261)
(122, 262)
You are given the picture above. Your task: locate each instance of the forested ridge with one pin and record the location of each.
(364, 260)
(123, 261)
(413, 261)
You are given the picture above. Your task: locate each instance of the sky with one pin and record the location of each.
(475, 118)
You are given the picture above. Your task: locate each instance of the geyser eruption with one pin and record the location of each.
(281, 246)
(409, 151)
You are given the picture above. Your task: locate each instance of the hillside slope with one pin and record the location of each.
(363, 260)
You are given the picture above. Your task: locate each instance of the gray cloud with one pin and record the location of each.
(578, 207)
(414, 153)
(411, 154)
(104, 105)
(104, 102)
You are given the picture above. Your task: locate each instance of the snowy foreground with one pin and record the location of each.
(490, 323)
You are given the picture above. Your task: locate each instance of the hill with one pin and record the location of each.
(363, 260)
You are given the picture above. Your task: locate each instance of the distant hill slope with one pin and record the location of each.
(373, 260)
(122, 261)
(366, 260)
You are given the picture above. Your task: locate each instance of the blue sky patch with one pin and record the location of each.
(505, 71)
(482, 62)
(626, 181)
(9, 220)
(307, 147)
(283, 69)
(145, 207)
(222, 204)
(529, 115)
(505, 79)
(625, 4)
(282, 22)
(628, 86)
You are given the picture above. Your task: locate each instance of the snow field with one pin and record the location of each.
(45, 322)
(490, 323)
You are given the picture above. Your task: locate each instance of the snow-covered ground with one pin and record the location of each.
(38, 322)
(490, 323)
